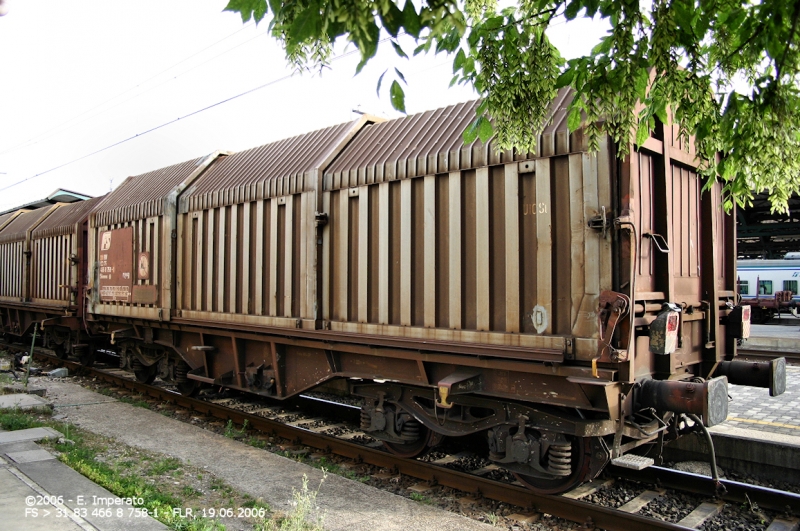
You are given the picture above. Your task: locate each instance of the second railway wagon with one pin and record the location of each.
(570, 306)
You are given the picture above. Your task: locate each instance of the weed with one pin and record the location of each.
(256, 504)
(190, 492)
(417, 497)
(304, 505)
(256, 442)
(135, 402)
(232, 433)
(16, 419)
(163, 466)
(493, 518)
(333, 468)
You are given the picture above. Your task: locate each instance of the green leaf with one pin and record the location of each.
(398, 50)
(397, 97)
(660, 110)
(572, 9)
(259, 11)
(642, 133)
(306, 25)
(565, 79)
(392, 19)
(640, 82)
(411, 19)
(380, 81)
(244, 7)
(574, 118)
(604, 46)
(459, 60)
(401, 76)
(485, 129)
(471, 132)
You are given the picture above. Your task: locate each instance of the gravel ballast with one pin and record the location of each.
(346, 505)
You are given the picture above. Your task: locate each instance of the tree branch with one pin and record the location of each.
(795, 17)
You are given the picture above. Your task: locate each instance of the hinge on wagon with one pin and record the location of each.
(320, 219)
(611, 307)
(600, 222)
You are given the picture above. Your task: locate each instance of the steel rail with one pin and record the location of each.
(735, 491)
(754, 353)
(568, 509)
(573, 510)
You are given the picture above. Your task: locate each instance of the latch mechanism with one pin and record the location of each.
(611, 307)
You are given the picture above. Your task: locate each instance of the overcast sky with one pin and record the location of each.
(77, 77)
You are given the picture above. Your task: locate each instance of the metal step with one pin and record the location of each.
(636, 462)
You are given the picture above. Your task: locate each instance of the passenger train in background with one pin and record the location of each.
(571, 307)
(770, 287)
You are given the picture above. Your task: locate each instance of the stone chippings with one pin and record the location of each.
(616, 495)
(671, 508)
(733, 518)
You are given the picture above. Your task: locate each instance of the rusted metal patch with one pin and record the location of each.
(116, 264)
(144, 294)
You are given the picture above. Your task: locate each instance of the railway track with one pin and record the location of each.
(595, 504)
(763, 354)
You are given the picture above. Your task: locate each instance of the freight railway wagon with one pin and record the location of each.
(43, 274)
(569, 306)
(769, 286)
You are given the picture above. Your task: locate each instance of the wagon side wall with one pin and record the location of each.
(249, 263)
(498, 255)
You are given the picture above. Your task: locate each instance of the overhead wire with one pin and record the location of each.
(41, 136)
(226, 100)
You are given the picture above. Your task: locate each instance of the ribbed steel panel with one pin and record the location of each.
(280, 168)
(432, 142)
(63, 220)
(142, 196)
(15, 231)
(5, 217)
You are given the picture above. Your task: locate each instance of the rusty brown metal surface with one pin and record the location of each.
(432, 142)
(573, 510)
(64, 219)
(115, 251)
(280, 168)
(428, 242)
(17, 229)
(142, 196)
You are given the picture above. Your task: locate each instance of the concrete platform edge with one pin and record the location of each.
(745, 452)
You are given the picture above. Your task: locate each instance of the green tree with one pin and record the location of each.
(672, 60)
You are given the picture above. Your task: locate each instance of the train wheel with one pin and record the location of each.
(145, 375)
(61, 350)
(581, 462)
(421, 445)
(85, 354)
(185, 386)
(188, 388)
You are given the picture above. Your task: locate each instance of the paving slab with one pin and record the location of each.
(13, 493)
(22, 401)
(346, 505)
(30, 456)
(82, 496)
(30, 434)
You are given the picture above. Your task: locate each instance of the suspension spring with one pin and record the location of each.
(366, 420)
(560, 459)
(136, 365)
(181, 369)
(411, 429)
